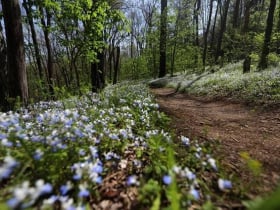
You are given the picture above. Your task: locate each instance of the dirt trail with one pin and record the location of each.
(236, 127)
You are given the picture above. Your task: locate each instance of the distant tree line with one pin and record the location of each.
(201, 33)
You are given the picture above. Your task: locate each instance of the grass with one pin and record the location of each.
(58, 154)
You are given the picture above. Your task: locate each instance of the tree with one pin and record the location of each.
(236, 13)
(219, 51)
(267, 37)
(3, 71)
(17, 78)
(206, 33)
(46, 24)
(163, 34)
(28, 9)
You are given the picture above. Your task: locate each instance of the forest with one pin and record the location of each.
(82, 127)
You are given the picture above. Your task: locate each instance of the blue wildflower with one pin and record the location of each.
(167, 179)
(224, 184)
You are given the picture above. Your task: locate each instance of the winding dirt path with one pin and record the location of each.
(236, 127)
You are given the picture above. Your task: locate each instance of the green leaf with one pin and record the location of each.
(156, 203)
(3, 206)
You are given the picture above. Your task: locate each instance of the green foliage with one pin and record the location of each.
(150, 193)
(273, 59)
(134, 68)
(253, 165)
(269, 202)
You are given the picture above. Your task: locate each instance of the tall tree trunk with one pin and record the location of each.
(214, 27)
(219, 52)
(236, 14)
(117, 65)
(267, 37)
(248, 6)
(278, 31)
(97, 73)
(206, 33)
(196, 20)
(3, 72)
(163, 34)
(50, 68)
(27, 6)
(17, 78)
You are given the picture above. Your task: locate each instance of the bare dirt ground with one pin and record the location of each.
(235, 128)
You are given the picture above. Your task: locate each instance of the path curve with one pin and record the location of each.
(236, 127)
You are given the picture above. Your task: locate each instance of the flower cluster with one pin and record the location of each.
(68, 145)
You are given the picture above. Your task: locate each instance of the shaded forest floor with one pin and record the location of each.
(232, 128)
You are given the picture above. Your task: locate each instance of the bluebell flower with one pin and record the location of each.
(38, 154)
(82, 152)
(97, 168)
(3, 136)
(194, 193)
(64, 189)
(6, 143)
(185, 140)
(224, 184)
(132, 180)
(77, 177)
(46, 189)
(167, 179)
(83, 193)
(113, 136)
(94, 151)
(7, 167)
(13, 203)
(190, 175)
(79, 133)
(212, 163)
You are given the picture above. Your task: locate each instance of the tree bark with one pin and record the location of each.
(263, 63)
(219, 52)
(236, 13)
(117, 65)
(196, 23)
(17, 78)
(248, 6)
(97, 73)
(3, 72)
(206, 34)
(214, 27)
(50, 68)
(27, 6)
(163, 34)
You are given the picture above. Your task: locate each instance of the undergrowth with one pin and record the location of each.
(256, 87)
(59, 154)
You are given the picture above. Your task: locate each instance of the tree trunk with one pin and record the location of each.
(17, 78)
(163, 34)
(248, 6)
(97, 73)
(196, 20)
(219, 52)
(278, 31)
(267, 37)
(27, 6)
(3, 72)
(236, 13)
(247, 64)
(50, 68)
(117, 65)
(214, 28)
(206, 33)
